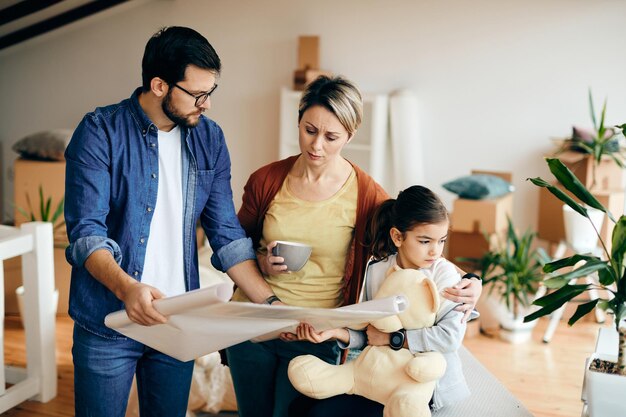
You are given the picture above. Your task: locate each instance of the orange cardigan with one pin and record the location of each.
(263, 185)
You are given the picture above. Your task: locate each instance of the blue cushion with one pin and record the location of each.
(479, 186)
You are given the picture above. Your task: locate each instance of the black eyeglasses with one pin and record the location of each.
(200, 98)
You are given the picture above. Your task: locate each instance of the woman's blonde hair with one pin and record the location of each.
(339, 96)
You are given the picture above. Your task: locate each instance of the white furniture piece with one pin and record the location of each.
(34, 243)
(369, 148)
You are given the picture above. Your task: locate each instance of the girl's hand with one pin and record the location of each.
(375, 337)
(467, 292)
(270, 264)
(306, 332)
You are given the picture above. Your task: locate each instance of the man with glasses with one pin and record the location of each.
(140, 174)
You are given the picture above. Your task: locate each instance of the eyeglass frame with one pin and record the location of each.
(199, 97)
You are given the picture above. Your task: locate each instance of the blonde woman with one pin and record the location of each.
(321, 199)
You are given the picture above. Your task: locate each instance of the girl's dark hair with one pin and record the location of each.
(171, 50)
(414, 206)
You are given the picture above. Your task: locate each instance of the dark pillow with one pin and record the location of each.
(479, 186)
(46, 145)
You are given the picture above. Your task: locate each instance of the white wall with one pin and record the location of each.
(495, 79)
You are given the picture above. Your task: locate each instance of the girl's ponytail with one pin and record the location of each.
(377, 236)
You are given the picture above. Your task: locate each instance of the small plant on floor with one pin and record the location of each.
(45, 212)
(611, 270)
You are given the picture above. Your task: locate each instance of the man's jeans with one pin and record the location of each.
(104, 370)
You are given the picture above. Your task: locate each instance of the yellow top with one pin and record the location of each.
(327, 226)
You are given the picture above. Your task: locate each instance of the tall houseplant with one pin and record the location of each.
(610, 267)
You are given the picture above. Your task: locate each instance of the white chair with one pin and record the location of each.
(33, 241)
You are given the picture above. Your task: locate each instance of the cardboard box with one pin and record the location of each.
(609, 175)
(482, 216)
(13, 279)
(302, 78)
(308, 52)
(550, 223)
(466, 245)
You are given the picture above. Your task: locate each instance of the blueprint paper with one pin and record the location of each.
(203, 321)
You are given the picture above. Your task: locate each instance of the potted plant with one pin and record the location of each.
(612, 279)
(600, 143)
(46, 214)
(514, 271)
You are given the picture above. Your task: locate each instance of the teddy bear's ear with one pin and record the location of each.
(392, 270)
(431, 289)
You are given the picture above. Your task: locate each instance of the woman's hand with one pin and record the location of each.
(270, 264)
(467, 292)
(375, 337)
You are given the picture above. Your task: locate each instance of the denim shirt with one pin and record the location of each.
(110, 193)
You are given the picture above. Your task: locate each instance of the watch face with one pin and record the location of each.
(397, 340)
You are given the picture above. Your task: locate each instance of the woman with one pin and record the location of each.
(323, 200)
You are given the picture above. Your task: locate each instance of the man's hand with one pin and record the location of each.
(467, 292)
(138, 299)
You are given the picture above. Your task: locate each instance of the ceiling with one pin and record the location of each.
(25, 19)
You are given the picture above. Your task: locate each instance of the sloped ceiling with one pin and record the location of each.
(25, 19)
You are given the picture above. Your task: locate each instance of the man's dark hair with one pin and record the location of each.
(171, 50)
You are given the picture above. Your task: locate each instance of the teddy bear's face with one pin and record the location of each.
(421, 294)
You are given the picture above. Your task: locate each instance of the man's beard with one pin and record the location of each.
(174, 115)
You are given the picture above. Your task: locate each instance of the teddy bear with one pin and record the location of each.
(402, 382)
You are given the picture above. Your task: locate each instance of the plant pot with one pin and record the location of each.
(512, 328)
(579, 232)
(19, 292)
(604, 392)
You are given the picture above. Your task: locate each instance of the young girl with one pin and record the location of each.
(410, 232)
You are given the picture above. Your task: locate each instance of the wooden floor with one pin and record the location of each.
(547, 378)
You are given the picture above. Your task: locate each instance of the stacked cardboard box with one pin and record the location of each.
(29, 176)
(477, 225)
(608, 189)
(308, 62)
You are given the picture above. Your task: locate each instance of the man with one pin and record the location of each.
(140, 173)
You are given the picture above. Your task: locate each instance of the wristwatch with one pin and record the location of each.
(396, 339)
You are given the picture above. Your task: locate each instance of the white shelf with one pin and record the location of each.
(369, 148)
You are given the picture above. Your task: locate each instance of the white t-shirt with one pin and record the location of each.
(164, 264)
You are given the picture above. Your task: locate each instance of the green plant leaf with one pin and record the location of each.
(618, 248)
(571, 261)
(587, 269)
(41, 204)
(59, 211)
(573, 185)
(606, 276)
(562, 294)
(558, 193)
(592, 110)
(582, 310)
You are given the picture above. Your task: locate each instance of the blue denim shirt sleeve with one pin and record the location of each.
(219, 219)
(235, 252)
(78, 252)
(87, 192)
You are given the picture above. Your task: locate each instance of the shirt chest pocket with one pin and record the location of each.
(204, 184)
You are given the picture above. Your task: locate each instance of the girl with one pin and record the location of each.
(410, 232)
